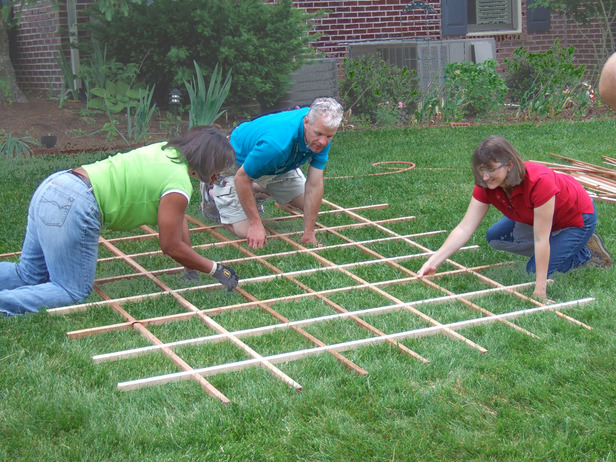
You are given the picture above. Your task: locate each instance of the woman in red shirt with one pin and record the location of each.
(549, 216)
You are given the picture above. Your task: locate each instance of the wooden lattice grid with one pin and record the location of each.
(327, 293)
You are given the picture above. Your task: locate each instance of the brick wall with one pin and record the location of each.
(44, 30)
(42, 34)
(369, 20)
(36, 42)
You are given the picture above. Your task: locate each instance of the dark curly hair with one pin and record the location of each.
(205, 149)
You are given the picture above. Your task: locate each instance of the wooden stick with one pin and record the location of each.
(345, 346)
(239, 306)
(482, 278)
(151, 233)
(301, 323)
(583, 164)
(207, 386)
(360, 322)
(344, 361)
(255, 257)
(428, 282)
(228, 242)
(173, 292)
(209, 321)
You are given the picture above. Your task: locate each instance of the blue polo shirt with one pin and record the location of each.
(274, 144)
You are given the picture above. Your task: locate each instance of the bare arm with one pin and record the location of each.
(458, 237)
(313, 196)
(173, 233)
(542, 228)
(256, 235)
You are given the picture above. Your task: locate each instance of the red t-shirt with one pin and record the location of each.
(540, 184)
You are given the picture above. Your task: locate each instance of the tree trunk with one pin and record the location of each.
(9, 90)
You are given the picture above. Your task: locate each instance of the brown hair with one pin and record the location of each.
(497, 150)
(205, 149)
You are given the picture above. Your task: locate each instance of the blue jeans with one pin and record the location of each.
(58, 257)
(567, 246)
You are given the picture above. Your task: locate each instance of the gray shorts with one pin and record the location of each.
(283, 188)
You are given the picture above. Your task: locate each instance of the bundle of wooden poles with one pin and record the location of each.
(599, 181)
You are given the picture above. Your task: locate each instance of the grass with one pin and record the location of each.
(546, 398)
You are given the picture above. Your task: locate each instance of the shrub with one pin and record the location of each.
(478, 85)
(373, 88)
(263, 42)
(541, 72)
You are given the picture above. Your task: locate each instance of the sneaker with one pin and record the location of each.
(260, 206)
(599, 255)
(208, 206)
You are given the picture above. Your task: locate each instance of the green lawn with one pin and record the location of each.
(548, 397)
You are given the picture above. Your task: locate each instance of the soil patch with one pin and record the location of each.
(76, 128)
(81, 130)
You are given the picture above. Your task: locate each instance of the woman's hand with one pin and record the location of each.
(426, 270)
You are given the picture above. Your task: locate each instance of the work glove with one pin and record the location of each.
(225, 275)
(189, 276)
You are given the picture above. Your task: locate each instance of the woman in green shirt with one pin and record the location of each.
(146, 186)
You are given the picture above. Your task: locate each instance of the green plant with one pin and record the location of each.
(11, 146)
(205, 103)
(68, 78)
(603, 12)
(95, 69)
(541, 72)
(115, 97)
(5, 92)
(144, 110)
(264, 42)
(112, 131)
(547, 100)
(371, 82)
(479, 85)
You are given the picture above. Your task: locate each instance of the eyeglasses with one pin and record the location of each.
(490, 171)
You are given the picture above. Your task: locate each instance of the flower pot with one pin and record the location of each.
(49, 141)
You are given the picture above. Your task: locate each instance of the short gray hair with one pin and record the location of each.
(328, 109)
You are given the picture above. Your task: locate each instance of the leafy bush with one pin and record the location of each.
(478, 85)
(434, 107)
(373, 88)
(541, 72)
(96, 70)
(263, 42)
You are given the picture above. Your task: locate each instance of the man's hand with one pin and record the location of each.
(226, 276)
(540, 295)
(256, 236)
(310, 238)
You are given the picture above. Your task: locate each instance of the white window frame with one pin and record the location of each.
(516, 15)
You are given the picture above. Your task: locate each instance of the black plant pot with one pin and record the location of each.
(49, 141)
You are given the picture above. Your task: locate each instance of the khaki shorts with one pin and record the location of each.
(283, 188)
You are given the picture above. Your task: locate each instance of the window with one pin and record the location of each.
(460, 17)
(493, 15)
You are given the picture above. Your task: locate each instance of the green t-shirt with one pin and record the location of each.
(128, 187)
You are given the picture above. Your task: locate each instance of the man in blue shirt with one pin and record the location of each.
(269, 153)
